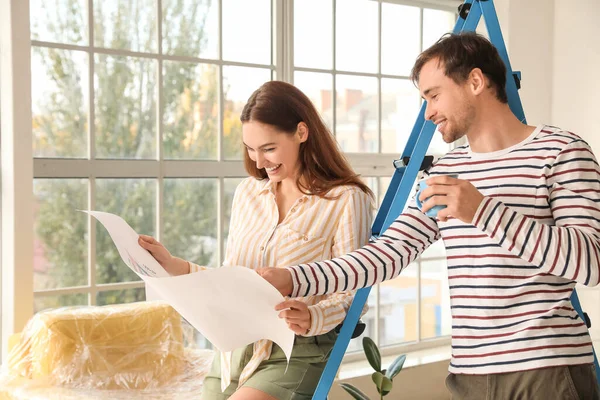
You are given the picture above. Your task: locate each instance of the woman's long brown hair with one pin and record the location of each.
(322, 164)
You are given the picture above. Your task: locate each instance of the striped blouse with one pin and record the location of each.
(314, 229)
(512, 270)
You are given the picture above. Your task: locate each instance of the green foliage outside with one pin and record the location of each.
(125, 125)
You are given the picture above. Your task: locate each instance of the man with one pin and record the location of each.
(521, 226)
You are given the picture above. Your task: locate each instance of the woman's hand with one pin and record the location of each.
(296, 315)
(173, 265)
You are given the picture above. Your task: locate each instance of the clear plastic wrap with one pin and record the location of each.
(138, 350)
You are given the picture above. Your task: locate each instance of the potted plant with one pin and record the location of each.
(382, 378)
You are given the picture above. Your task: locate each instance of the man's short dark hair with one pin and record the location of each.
(459, 54)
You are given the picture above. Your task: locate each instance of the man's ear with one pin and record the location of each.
(302, 132)
(477, 81)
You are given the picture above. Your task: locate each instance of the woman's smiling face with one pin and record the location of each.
(274, 151)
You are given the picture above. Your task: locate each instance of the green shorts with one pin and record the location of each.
(308, 360)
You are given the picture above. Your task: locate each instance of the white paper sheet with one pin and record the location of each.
(231, 306)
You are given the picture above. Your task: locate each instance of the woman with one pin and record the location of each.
(301, 203)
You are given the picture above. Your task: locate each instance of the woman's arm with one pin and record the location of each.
(353, 232)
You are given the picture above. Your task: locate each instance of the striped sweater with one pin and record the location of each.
(314, 229)
(512, 270)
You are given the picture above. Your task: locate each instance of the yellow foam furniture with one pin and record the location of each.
(137, 347)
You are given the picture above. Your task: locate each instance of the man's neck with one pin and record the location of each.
(497, 129)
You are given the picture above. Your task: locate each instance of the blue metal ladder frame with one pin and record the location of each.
(404, 176)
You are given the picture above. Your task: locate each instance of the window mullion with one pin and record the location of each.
(377, 330)
(221, 99)
(419, 302)
(91, 222)
(17, 175)
(334, 66)
(379, 89)
(283, 39)
(220, 220)
(92, 240)
(159, 126)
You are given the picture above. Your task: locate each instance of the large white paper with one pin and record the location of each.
(231, 306)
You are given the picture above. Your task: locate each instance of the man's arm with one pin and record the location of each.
(571, 247)
(381, 260)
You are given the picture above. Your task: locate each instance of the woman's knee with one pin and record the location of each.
(248, 393)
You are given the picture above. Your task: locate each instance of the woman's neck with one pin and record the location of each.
(287, 188)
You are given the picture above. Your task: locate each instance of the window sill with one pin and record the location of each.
(413, 358)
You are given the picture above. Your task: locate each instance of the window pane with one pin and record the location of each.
(373, 184)
(228, 191)
(247, 31)
(357, 115)
(384, 184)
(125, 24)
(59, 102)
(319, 88)
(41, 303)
(60, 233)
(192, 338)
(435, 300)
(356, 35)
(191, 28)
(190, 220)
(400, 38)
(134, 201)
(398, 308)
(120, 296)
(435, 24)
(191, 110)
(436, 250)
(313, 42)
(437, 146)
(59, 21)
(369, 320)
(399, 109)
(238, 84)
(125, 107)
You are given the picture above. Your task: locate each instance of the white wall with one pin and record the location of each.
(555, 45)
(576, 80)
(421, 382)
(576, 94)
(527, 27)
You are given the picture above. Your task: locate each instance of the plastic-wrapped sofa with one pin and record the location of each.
(126, 351)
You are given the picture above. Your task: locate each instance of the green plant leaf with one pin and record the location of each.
(354, 392)
(383, 383)
(396, 366)
(372, 353)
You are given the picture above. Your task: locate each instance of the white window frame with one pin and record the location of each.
(374, 164)
(17, 170)
(158, 169)
(16, 145)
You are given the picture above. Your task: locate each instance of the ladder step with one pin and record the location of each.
(403, 163)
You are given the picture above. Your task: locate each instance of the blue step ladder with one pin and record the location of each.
(407, 168)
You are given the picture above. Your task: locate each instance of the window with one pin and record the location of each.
(0, 216)
(353, 59)
(142, 120)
